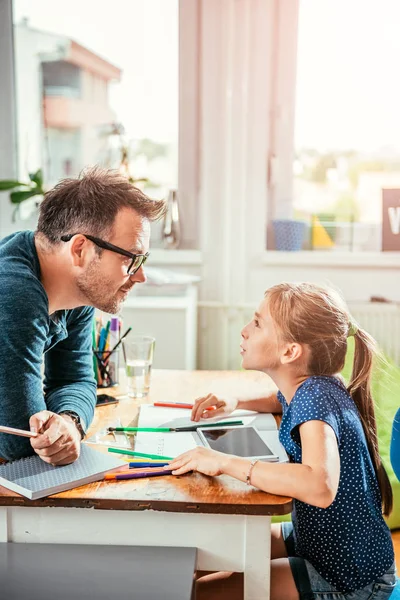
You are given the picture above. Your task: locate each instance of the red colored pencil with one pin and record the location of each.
(180, 405)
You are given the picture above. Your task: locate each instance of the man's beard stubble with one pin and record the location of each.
(95, 289)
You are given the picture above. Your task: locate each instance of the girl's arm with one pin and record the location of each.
(268, 404)
(315, 481)
(225, 406)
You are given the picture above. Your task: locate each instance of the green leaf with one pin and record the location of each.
(9, 184)
(37, 178)
(18, 197)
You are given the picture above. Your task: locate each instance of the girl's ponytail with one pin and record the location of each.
(359, 389)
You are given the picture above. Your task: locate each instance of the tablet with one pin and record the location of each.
(240, 441)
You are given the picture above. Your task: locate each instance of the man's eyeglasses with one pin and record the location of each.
(137, 260)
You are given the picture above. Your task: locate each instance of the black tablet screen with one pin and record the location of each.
(241, 441)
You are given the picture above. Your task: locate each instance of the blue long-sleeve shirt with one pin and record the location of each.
(30, 336)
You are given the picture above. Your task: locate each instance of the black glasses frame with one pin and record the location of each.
(132, 269)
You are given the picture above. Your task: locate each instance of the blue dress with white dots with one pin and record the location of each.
(348, 543)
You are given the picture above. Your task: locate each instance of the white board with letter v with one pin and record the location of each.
(391, 220)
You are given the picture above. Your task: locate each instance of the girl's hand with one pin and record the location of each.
(200, 459)
(221, 407)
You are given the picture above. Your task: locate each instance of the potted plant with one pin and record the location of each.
(23, 191)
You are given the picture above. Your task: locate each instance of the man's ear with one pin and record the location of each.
(291, 353)
(79, 250)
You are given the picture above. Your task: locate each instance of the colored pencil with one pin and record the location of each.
(133, 453)
(151, 465)
(193, 427)
(139, 429)
(125, 471)
(180, 405)
(136, 475)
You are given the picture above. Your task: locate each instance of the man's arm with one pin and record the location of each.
(24, 327)
(69, 383)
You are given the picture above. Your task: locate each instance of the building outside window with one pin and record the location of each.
(98, 86)
(346, 134)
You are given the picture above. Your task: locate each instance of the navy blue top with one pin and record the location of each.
(29, 336)
(348, 543)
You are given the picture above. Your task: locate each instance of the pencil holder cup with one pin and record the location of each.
(106, 366)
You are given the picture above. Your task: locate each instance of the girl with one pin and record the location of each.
(338, 545)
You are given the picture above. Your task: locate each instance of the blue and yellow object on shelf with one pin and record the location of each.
(321, 236)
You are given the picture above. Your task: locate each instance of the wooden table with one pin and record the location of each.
(226, 520)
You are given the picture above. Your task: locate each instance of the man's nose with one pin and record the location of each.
(139, 276)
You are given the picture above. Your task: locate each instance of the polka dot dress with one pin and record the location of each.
(348, 543)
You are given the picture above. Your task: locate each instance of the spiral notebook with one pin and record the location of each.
(34, 478)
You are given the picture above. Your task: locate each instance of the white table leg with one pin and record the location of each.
(3, 524)
(257, 557)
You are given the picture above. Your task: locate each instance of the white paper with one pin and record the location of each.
(173, 444)
(165, 444)
(157, 416)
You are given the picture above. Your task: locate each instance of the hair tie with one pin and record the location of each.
(353, 329)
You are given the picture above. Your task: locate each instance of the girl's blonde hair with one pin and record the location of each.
(318, 317)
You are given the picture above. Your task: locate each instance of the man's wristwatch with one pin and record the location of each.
(77, 420)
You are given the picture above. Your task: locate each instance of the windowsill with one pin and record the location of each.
(160, 256)
(332, 259)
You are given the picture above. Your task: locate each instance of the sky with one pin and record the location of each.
(138, 36)
(348, 93)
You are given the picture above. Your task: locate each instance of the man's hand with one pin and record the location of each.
(58, 441)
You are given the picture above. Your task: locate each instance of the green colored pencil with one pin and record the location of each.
(133, 453)
(138, 429)
(193, 427)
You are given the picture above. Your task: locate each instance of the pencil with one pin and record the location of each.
(13, 431)
(193, 427)
(148, 465)
(133, 453)
(125, 471)
(136, 475)
(180, 405)
(139, 429)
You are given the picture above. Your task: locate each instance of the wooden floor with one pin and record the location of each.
(396, 543)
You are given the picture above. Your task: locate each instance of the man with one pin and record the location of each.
(88, 251)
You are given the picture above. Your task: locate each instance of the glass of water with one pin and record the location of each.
(138, 354)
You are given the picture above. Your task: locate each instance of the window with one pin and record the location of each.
(98, 85)
(346, 133)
